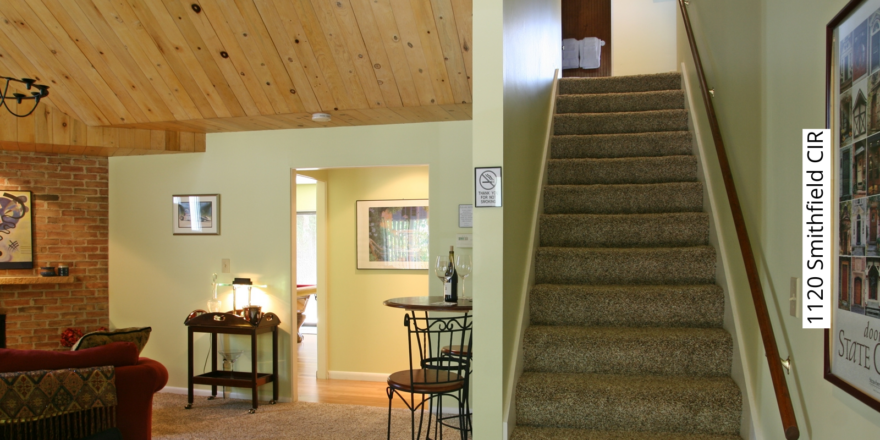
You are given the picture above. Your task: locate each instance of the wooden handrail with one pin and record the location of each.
(783, 399)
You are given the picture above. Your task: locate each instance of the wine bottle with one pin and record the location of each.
(451, 293)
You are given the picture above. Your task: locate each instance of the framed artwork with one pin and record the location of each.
(196, 214)
(392, 234)
(16, 230)
(852, 85)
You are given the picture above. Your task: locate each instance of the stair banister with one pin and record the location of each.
(783, 398)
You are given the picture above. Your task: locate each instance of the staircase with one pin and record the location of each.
(625, 340)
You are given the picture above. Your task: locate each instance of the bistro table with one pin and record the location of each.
(429, 304)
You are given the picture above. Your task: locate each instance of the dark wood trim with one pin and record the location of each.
(783, 399)
(2, 331)
(829, 97)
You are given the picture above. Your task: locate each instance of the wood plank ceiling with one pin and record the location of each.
(238, 65)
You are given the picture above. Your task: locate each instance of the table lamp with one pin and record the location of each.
(240, 282)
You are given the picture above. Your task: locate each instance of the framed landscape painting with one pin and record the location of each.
(852, 113)
(392, 234)
(196, 214)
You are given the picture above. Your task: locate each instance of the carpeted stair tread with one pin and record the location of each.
(707, 405)
(660, 143)
(657, 351)
(695, 305)
(543, 433)
(623, 199)
(625, 230)
(620, 102)
(622, 170)
(680, 265)
(624, 122)
(620, 84)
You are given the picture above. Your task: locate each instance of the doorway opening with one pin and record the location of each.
(585, 21)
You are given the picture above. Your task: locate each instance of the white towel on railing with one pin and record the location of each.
(591, 52)
(571, 50)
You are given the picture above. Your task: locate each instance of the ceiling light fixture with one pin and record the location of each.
(321, 117)
(19, 97)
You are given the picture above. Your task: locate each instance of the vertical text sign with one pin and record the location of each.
(817, 217)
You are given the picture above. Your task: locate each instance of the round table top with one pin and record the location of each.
(430, 304)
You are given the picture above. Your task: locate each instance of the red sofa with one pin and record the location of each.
(137, 379)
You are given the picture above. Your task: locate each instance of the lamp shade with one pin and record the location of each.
(242, 282)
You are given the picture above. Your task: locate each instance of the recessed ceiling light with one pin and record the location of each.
(321, 117)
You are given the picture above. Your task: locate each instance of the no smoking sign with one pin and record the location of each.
(487, 187)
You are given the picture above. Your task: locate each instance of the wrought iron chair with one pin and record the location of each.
(433, 374)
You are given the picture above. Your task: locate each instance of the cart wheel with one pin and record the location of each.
(212, 397)
(272, 402)
(252, 411)
(188, 406)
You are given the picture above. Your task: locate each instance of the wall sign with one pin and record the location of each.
(487, 187)
(853, 116)
(465, 216)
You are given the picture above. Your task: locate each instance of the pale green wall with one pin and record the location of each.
(532, 29)
(767, 60)
(359, 325)
(305, 197)
(488, 150)
(156, 278)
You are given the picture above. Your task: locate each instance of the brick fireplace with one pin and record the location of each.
(70, 223)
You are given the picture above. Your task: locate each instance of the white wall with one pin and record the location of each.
(156, 278)
(643, 36)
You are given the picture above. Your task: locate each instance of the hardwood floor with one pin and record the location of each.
(352, 392)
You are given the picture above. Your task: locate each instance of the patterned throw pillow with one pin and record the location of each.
(138, 335)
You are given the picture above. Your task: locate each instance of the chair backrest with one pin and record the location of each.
(427, 337)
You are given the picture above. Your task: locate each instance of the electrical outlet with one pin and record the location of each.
(794, 296)
(224, 265)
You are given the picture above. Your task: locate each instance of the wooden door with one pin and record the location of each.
(588, 18)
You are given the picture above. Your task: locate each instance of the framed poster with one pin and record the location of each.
(16, 230)
(392, 234)
(196, 214)
(852, 113)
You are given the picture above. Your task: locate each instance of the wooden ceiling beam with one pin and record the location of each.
(51, 130)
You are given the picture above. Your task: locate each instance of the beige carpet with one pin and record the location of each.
(229, 419)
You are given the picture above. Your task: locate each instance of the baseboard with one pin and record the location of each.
(203, 392)
(357, 375)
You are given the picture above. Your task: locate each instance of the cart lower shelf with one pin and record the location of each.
(233, 379)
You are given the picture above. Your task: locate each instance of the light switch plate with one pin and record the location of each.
(224, 265)
(794, 298)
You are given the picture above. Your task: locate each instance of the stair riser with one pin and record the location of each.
(620, 84)
(595, 266)
(657, 230)
(615, 306)
(616, 408)
(621, 171)
(605, 123)
(540, 433)
(620, 102)
(672, 143)
(623, 199)
(680, 352)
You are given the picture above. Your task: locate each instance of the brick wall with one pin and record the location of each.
(70, 220)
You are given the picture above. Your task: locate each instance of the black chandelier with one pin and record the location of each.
(19, 97)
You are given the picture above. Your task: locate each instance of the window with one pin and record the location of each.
(306, 248)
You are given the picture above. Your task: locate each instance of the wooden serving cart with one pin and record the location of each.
(231, 324)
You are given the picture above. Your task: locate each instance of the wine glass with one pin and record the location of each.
(443, 269)
(464, 265)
